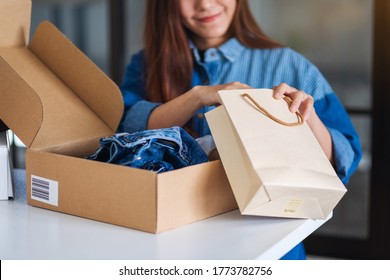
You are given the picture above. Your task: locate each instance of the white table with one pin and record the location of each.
(28, 232)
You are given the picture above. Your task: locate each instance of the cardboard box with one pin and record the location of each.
(60, 104)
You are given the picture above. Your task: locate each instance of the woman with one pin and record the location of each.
(193, 48)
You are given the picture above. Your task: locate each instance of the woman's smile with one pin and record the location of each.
(209, 19)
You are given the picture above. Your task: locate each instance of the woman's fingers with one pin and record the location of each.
(235, 85)
(301, 101)
(282, 89)
(208, 95)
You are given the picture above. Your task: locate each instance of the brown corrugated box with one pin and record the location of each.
(60, 104)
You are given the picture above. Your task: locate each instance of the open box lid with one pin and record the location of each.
(52, 95)
(14, 23)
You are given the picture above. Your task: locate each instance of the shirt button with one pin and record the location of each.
(200, 115)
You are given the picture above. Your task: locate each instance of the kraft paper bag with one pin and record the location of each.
(273, 161)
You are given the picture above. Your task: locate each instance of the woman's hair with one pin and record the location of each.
(168, 56)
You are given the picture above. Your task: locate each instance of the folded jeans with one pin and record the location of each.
(157, 150)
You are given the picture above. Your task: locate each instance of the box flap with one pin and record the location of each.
(78, 100)
(20, 107)
(14, 23)
(79, 73)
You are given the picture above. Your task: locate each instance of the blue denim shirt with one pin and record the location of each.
(259, 68)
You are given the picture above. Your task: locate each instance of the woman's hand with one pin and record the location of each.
(301, 101)
(304, 103)
(208, 95)
(180, 109)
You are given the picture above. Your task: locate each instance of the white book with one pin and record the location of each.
(6, 185)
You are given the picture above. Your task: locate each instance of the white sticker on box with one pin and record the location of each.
(44, 190)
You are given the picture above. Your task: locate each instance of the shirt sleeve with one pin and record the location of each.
(137, 108)
(346, 144)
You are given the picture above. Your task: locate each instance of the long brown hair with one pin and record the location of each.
(168, 57)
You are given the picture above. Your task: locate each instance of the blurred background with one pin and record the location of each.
(348, 42)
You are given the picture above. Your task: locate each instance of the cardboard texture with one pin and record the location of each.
(274, 170)
(60, 104)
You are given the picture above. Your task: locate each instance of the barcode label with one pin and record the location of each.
(44, 190)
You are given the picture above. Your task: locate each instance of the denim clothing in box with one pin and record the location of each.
(157, 150)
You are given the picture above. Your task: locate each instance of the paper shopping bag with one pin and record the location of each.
(273, 161)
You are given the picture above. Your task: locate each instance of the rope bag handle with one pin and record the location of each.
(265, 112)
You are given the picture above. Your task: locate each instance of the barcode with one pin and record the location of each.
(40, 189)
(44, 190)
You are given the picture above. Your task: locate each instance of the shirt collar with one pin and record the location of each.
(231, 49)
